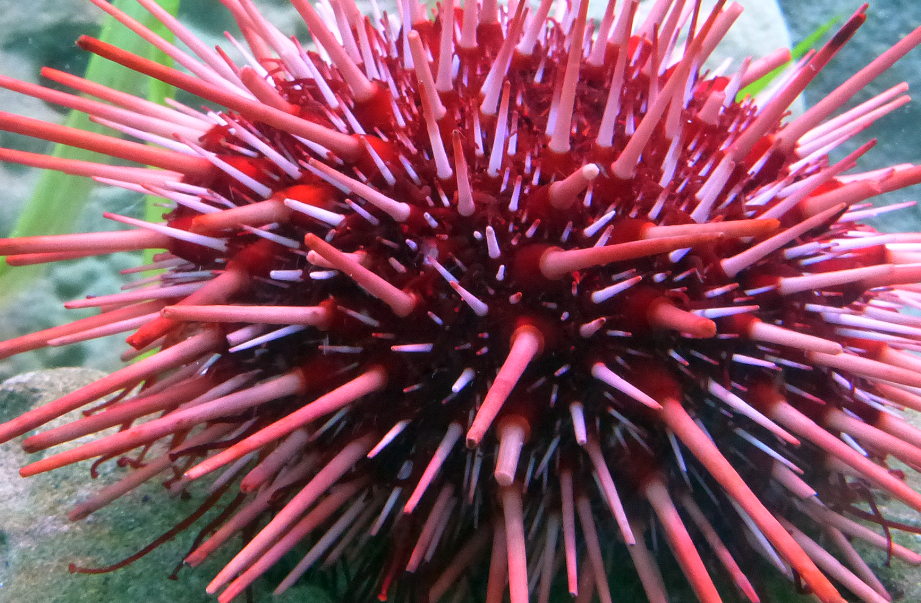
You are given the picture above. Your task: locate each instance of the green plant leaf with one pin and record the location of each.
(798, 52)
(157, 92)
(58, 199)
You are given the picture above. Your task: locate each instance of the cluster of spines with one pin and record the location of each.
(488, 203)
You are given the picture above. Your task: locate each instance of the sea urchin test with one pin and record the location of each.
(478, 299)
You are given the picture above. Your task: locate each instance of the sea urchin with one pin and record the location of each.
(497, 282)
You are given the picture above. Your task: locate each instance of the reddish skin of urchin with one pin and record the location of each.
(442, 295)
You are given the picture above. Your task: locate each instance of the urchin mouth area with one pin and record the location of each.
(635, 293)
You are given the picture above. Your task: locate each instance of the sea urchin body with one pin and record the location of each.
(492, 294)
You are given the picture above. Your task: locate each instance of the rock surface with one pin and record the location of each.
(38, 542)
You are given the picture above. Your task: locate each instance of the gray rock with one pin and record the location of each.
(38, 542)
